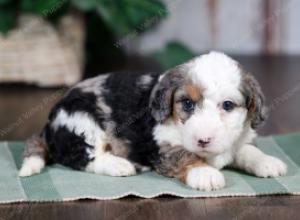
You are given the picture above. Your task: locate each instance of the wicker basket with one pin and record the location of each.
(39, 53)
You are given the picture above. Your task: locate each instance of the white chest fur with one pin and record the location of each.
(167, 133)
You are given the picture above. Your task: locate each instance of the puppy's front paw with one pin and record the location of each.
(205, 178)
(270, 167)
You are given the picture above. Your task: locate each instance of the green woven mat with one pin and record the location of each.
(58, 183)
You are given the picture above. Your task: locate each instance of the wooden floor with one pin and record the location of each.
(23, 111)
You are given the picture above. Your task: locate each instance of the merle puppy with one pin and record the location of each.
(187, 123)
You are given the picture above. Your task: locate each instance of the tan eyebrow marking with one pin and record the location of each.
(174, 113)
(194, 92)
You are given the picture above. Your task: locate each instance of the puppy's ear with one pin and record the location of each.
(254, 100)
(161, 100)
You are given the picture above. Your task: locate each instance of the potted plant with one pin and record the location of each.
(50, 42)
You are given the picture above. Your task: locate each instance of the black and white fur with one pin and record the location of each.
(120, 123)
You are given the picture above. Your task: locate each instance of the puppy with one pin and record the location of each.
(187, 123)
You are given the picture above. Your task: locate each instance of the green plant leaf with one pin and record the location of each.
(42, 7)
(2, 2)
(7, 20)
(85, 5)
(173, 54)
(111, 13)
(125, 16)
(144, 12)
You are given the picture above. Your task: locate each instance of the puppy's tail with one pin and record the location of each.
(34, 156)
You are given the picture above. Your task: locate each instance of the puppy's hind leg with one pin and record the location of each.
(34, 156)
(111, 165)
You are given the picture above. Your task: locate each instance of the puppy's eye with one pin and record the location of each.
(228, 105)
(188, 105)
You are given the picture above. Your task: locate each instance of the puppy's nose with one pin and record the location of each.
(204, 142)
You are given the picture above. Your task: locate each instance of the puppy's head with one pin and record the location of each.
(211, 101)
